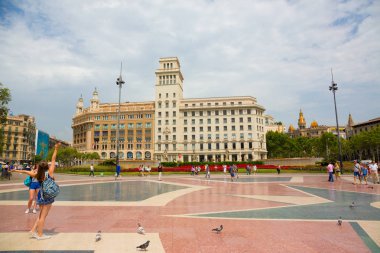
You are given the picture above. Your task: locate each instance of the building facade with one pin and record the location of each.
(172, 128)
(204, 129)
(19, 138)
(95, 129)
(354, 129)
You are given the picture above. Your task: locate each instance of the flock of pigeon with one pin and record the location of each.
(141, 230)
(144, 246)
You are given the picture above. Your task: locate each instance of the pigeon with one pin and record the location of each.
(340, 221)
(143, 246)
(140, 229)
(218, 230)
(371, 187)
(98, 236)
(352, 204)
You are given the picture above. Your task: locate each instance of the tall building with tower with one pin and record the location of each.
(173, 128)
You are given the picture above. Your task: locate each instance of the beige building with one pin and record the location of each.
(204, 129)
(19, 138)
(271, 125)
(315, 130)
(95, 128)
(354, 129)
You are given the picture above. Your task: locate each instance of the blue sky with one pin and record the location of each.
(280, 52)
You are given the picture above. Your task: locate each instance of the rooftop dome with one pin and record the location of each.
(314, 124)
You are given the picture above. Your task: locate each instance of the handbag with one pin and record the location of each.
(27, 181)
(50, 188)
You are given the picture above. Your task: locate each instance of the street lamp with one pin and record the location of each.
(333, 88)
(119, 82)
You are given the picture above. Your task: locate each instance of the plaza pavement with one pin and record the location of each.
(260, 213)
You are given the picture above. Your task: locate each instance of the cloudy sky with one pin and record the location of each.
(280, 52)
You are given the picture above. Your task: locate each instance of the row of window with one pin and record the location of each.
(203, 137)
(122, 126)
(129, 116)
(217, 112)
(98, 146)
(130, 155)
(167, 79)
(208, 146)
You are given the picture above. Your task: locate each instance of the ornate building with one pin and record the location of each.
(173, 128)
(315, 130)
(204, 129)
(95, 127)
(19, 138)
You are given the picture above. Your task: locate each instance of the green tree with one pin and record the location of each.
(5, 98)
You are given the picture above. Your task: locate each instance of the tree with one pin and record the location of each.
(5, 98)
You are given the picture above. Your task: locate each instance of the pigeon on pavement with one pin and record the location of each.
(340, 221)
(98, 236)
(143, 246)
(352, 204)
(140, 229)
(218, 230)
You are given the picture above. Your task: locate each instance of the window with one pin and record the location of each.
(225, 136)
(234, 136)
(173, 95)
(209, 146)
(174, 129)
(185, 122)
(167, 95)
(193, 137)
(217, 146)
(200, 113)
(200, 121)
(174, 114)
(208, 113)
(185, 114)
(185, 137)
(225, 128)
(217, 128)
(233, 128)
(216, 121)
(201, 136)
(216, 112)
(193, 121)
(159, 95)
(201, 129)
(166, 114)
(249, 119)
(193, 129)
(209, 136)
(209, 129)
(148, 125)
(201, 146)
(174, 104)
(241, 128)
(193, 113)
(167, 105)
(225, 120)
(185, 129)
(241, 120)
(249, 127)
(232, 120)
(241, 135)
(208, 121)
(159, 122)
(233, 145)
(232, 112)
(224, 112)
(217, 136)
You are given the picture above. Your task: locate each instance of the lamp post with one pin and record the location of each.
(119, 82)
(333, 88)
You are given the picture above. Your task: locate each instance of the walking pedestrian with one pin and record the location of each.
(374, 173)
(33, 192)
(330, 170)
(337, 171)
(160, 170)
(207, 170)
(356, 171)
(92, 170)
(278, 169)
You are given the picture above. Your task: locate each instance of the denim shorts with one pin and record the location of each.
(356, 173)
(34, 186)
(41, 201)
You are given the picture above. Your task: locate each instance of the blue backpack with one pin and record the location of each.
(49, 187)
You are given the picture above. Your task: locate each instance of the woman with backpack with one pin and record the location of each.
(43, 173)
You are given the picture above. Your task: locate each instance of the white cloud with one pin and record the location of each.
(280, 52)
